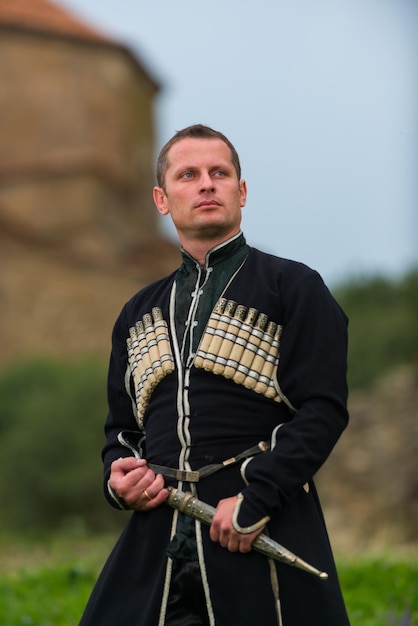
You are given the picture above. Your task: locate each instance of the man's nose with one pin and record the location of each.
(206, 182)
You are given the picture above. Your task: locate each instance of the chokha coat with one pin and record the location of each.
(184, 415)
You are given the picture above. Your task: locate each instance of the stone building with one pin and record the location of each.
(78, 230)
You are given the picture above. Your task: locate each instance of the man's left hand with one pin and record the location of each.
(222, 530)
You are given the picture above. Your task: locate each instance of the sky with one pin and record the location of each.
(320, 100)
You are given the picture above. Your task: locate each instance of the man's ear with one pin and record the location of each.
(160, 199)
(242, 192)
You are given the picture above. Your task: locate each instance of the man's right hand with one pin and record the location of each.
(136, 484)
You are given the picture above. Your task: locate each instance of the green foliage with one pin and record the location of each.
(377, 592)
(383, 328)
(46, 597)
(51, 426)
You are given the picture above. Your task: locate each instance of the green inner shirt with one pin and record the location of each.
(197, 291)
(199, 288)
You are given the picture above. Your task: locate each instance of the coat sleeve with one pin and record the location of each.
(121, 417)
(312, 375)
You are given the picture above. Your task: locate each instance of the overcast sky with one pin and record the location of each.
(319, 98)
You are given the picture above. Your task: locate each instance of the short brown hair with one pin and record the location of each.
(197, 131)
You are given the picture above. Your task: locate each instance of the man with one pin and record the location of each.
(234, 348)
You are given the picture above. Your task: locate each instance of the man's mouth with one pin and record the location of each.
(208, 203)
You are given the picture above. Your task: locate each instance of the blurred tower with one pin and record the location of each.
(76, 172)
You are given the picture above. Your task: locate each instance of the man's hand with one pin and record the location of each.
(223, 531)
(136, 484)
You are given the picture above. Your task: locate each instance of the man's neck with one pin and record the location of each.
(199, 249)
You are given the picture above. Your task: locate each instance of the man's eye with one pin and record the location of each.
(187, 175)
(219, 173)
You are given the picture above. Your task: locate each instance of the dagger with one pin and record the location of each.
(185, 502)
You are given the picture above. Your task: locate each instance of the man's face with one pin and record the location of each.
(202, 192)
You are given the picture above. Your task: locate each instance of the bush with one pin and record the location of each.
(51, 426)
(383, 330)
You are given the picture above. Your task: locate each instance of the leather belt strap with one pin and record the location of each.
(193, 476)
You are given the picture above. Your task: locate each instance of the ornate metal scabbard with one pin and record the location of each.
(188, 504)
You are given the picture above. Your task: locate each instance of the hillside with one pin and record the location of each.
(369, 485)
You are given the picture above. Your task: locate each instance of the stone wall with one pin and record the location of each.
(76, 143)
(78, 229)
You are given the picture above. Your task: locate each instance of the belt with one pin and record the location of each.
(194, 476)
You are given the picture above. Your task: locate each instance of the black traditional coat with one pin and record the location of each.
(294, 396)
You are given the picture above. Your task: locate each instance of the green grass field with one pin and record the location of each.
(48, 584)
